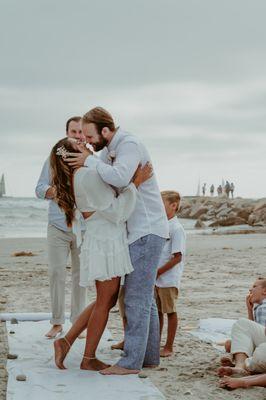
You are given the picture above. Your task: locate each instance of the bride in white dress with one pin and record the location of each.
(104, 255)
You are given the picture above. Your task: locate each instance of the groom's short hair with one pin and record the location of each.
(100, 117)
(75, 118)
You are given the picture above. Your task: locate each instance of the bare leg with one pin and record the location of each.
(167, 351)
(244, 382)
(80, 324)
(107, 292)
(161, 322)
(120, 345)
(227, 359)
(227, 346)
(62, 346)
(239, 366)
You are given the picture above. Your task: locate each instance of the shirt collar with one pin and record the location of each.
(115, 140)
(259, 304)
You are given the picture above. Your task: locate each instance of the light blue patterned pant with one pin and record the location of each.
(142, 337)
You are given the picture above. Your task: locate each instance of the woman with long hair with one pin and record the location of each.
(104, 255)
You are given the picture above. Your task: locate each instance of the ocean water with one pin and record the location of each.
(23, 217)
(27, 217)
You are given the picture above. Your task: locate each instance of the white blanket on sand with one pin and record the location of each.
(214, 331)
(46, 382)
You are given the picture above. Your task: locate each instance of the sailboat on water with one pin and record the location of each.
(2, 186)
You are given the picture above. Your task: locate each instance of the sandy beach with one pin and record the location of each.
(218, 272)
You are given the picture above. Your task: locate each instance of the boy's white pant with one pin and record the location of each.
(60, 245)
(249, 337)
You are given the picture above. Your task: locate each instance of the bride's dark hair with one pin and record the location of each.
(62, 177)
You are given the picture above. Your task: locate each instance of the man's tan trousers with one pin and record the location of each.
(60, 245)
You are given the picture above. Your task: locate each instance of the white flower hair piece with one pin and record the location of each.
(62, 152)
(111, 156)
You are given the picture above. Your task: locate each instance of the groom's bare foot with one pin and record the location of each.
(61, 348)
(54, 331)
(118, 346)
(165, 352)
(116, 370)
(228, 371)
(93, 365)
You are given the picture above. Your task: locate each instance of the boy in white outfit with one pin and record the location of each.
(170, 271)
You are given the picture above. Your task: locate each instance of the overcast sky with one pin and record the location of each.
(188, 77)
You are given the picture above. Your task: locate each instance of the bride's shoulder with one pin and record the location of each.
(87, 174)
(84, 171)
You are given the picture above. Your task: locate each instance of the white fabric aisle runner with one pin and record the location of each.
(46, 382)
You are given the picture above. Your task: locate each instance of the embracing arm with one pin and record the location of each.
(121, 172)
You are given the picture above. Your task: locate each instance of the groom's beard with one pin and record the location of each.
(100, 144)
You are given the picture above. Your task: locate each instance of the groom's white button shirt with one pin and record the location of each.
(116, 166)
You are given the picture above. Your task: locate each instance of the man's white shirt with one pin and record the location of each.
(127, 153)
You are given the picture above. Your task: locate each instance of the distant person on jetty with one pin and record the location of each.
(232, 189)
(147, 229)
(248, 344)
(219, 190)
(204, 189)
(61, 242)
(104, 255)
(170, 271)
(212, 190)
(227, 188)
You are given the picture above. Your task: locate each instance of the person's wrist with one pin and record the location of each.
(136, 183)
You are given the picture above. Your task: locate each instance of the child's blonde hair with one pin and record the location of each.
(172, 197)
(262, 282)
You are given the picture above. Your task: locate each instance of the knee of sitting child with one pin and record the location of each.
(257, 363)
(227, 346)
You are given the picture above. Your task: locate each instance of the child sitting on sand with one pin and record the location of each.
(248, 344)
(170, 271)
(256, 311)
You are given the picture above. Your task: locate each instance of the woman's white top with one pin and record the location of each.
(104, 250)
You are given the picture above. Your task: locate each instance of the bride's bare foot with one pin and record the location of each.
(118, 346)
(61, 348)
(93, 365)
(54, 331)
(228, 371)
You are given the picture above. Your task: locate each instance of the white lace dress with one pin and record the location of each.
(104, 250)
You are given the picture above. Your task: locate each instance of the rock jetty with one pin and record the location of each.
(220, 211)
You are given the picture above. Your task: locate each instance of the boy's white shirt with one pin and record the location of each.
(175, 244)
